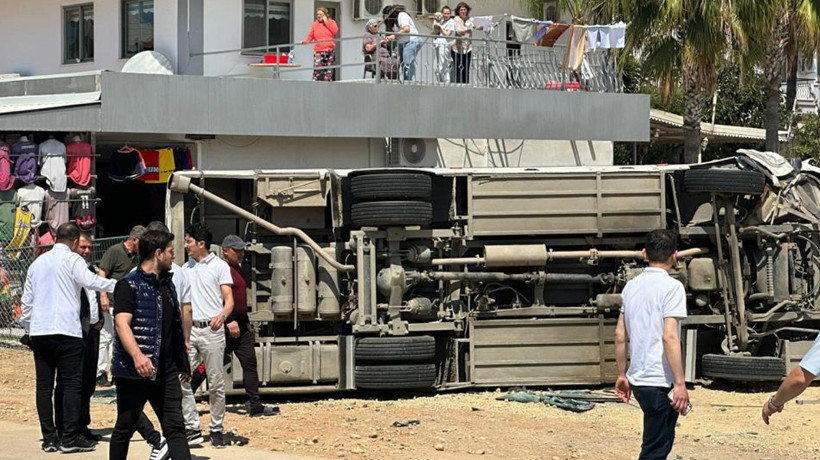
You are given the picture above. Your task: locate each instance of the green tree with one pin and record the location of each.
(806, 142)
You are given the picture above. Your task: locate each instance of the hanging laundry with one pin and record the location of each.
(125, 164)
(553, 33)
(592, 37)
(8, 203)
(52, 163)
(523, 29)
(617, 35)
(6, 178)
(22, 230)
(167, 165)
(484, 23)
(82, 207)
(32, 196)
(79, 162)
(574, 55)
(56, 209)
(150, 159)
(25, 162)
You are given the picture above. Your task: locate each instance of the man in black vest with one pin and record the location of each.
(150, 360)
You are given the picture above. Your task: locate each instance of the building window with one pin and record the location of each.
(267, 23)
(137, 27)
(78, 34)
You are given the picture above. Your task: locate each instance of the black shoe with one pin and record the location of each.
(50, 446)
(194, 437)
(87, 434)
(102, 381)
(263, 411)
(217, 440)
(160, 452)
(80, 445)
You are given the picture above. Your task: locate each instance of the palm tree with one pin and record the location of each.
(773, 65)
(684, 43)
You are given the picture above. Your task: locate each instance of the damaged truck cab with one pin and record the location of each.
(416, 279)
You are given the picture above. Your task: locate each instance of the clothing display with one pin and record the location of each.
(25, 161)
(79, 162)
(6, 178)
(592, 37)
(8, 203)
(32, 196)
(52, 164)
(56, 209)
(22, 230)
(617, 35)
(150, 160)
(126, 164)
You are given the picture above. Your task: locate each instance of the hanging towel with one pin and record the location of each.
(574, 55)
(552, 35)
(79, 162)
(52, 164)
(126, 164)
(484, 23)
(617, 35)
(25, 163)
(603, 36)
(523, 29)
(6, 178)
(592, 37)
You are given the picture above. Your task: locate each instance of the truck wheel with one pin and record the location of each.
(724, 181)
(387, 213)
(391, 186)
(398, 377)
(412, 349)
(744, 368)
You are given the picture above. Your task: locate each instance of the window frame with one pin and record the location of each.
(123, 31)
(80, 8)
(267, 29)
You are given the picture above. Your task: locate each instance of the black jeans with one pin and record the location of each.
(165, 396)
(59, 355)
(242, 347)
(91, 351)
(659, 419)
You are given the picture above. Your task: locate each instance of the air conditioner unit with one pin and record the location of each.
(410, 152)
(428, 7)
(367, 9)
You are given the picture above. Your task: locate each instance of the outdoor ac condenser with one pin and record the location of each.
(410, 152)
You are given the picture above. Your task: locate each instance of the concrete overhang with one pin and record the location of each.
(182, 104)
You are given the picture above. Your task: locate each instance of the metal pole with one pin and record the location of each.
(722, 272)
(737, 274)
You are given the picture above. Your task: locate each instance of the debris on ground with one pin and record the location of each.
(410, 422)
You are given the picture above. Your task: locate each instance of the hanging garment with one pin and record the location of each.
(167, 165)
(25, 162)
(178, 159)
(8, 203)
(79, 162)
(523, 29)
(617, 35)
(150, 159)
(56, 209)
(604, 33)
(32, 197)
(52, 164)
(125, 164)
(189, 160)
(82, 207)
(592, 37)
(574, 55)
(22, 230)
(6, 178)
(484, 23)
(553, 33)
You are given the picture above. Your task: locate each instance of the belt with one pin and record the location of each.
(201, 324)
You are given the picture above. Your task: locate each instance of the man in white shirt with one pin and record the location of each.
(653, 306)
(397, 20)
(51, 318)
(212, 302)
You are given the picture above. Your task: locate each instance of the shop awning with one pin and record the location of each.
(667, 128)
(17, 104)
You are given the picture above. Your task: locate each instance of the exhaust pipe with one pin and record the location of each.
(182, 184)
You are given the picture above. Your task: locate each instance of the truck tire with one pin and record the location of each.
(387, 213)
(731, 181)
(396, 377)
(391, 186)
(411, 349)
(744, 368)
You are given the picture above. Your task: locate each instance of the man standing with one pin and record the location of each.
(150, 360)
(117, 262)
(51, 318)
(653, 305)
(212, 303)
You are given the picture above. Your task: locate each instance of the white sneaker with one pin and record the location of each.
(160, 452)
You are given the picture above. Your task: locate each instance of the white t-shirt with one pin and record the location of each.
(811, 360)
(648, 300)
(32, 196)
(403, 21)
(450, 26)
(52, 164)
(206, 278)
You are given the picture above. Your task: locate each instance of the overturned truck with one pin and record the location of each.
(446, 278)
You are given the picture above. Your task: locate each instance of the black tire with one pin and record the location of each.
(411, 349)
(387, 213)
(391, 186)
(731, 181)
(398, 377)
(744, 368)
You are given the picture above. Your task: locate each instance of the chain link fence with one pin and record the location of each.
(14, 264)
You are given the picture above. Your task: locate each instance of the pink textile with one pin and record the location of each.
(79, 162)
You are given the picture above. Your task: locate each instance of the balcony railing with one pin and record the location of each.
(492, 64)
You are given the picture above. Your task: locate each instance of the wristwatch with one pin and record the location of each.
(774, 406)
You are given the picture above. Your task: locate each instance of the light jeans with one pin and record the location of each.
(443, 61)
(409, 52)
(208, 347)
(106, 340)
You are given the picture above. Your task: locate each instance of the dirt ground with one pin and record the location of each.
(725, 424)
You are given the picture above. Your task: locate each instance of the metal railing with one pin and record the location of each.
(492, 63)
(14, 264)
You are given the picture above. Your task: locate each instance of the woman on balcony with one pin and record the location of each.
(463, 46)
(396, 20)
(323, 32)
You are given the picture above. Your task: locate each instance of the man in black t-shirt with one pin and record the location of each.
(149, 361)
